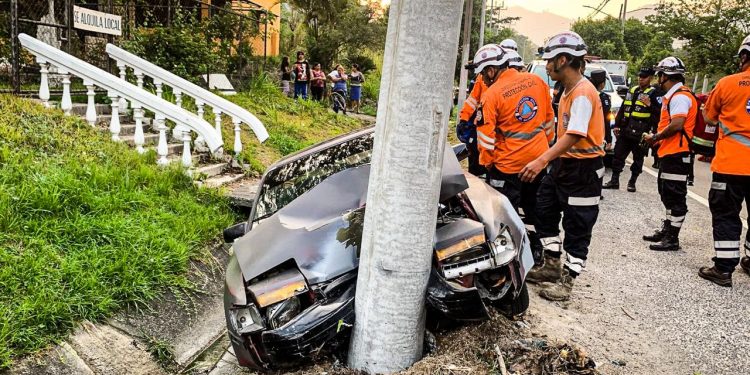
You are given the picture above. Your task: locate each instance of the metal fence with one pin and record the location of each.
(52, 22)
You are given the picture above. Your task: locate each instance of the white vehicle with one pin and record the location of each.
(539, 68)
(618, 71)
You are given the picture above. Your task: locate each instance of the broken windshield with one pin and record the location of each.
(288, 181)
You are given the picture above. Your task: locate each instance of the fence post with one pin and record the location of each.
(15, 50)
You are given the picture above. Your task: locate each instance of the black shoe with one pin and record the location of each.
(716, 276)
(658, 234)
(669, 242)
(631, 186)
(745, 264)
(612, 184)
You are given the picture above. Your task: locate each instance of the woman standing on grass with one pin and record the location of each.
(356, 79)
(339, 77)
(318, 83)
(286, 76)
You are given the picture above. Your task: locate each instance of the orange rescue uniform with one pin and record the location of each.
(582, 100)
(472, 102)
(729, 102)
(677, 142)
(515, 112)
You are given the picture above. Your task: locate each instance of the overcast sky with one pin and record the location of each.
(574, 8)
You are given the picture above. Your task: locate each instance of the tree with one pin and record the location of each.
(713, 30)
(497, 29)
(603, 37)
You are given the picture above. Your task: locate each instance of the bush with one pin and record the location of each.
(366, 63)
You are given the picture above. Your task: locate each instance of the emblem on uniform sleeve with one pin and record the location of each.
(747, 106)
(566, 119)
(526, 109)
(478, 116)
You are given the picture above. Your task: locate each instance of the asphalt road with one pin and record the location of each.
(641, 312)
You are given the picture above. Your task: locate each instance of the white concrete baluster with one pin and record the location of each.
(237, 141)
(44, 84)
(178, 97)
(90, 105)
(123, 76)
(138, 78)
(217, 122)
(66, 104)
(161, 148)
(138, 137)
(200, 105)
(159, 90)
(187, 158)
(114, 123)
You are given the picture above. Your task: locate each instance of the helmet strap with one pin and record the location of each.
(744, 60)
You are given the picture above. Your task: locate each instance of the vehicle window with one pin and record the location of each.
(617, 79)
(541, 71)
(287, 182)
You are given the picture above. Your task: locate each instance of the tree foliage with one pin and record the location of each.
(712, 29)
(603, 37)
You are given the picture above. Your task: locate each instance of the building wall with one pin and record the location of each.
(274, 27)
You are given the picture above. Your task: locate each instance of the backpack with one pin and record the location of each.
(705, 135)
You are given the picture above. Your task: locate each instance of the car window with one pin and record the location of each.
(617, 79)
(541, 71)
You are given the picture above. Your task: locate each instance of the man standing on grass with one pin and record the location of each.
(571, 190)
(301, 72)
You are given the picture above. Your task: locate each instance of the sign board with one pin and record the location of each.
(219, 82)
(91, 20)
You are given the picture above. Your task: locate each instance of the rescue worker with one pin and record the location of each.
(638, 114)
(515, 60)
(729, 107)
(678, 113)
(573, 185)
(466, 129)
(509, 44)
(512, 120)
(599, 79)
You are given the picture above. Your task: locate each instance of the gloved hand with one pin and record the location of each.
(464, 131)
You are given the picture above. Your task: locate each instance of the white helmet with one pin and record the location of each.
(489, 55)
(670, 66)
(565, 42)
(745, 46)
(514, 59)
(509, 44)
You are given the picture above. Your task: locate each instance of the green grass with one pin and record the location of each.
(292, 124)
(87, 226)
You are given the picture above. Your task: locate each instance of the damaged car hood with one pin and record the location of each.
(321, 229)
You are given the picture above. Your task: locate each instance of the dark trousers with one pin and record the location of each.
(725, 200)
(570, 192)
(672, 184)
(474, 167)
(300, 89)
(623, 147)
(522, 195)
(317, 92)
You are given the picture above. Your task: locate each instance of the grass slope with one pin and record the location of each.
(87, 226)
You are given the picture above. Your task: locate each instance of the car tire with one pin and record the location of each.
(511, 307)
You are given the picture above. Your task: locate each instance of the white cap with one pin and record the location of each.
(489, 55)
(566, 42)
(745, 46)
(670, 66)
(509, 44)
(514, 59)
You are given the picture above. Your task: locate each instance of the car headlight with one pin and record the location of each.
(282, 312)
(503, 248)
(247, 319)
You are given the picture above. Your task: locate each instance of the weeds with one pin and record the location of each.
(161, 351)
(87, 226)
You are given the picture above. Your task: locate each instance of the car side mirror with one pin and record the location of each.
(622, 91)
(235, 231)
(461, 151)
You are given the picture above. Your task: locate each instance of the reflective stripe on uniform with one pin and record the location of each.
(745, 141)
(486, 138)
(641, 115)
(574, 264)
(686, 160)
(727, 244)
(522, 135)
(600, 172)
(676, 219)
(673, 177)
(719, 185)
(553, 244)
(589, 150)
(724, 254)
(747, 245)
(471, 102)
(584, 201)
(497, 183)
(488, 146)
(702, 142)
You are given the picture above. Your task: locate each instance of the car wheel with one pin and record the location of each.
(510, 306)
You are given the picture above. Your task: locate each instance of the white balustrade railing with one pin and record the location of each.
(182, 87)
(117, 88)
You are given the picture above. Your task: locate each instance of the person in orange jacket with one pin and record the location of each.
(466, 127)
(512, 118)
(678, 114)
(728, 107)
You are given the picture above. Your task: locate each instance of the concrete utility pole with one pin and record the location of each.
(464, 76)
(399, 226)
(481, 24)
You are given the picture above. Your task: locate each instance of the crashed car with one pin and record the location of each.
(290, 281)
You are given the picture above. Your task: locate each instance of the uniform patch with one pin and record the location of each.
(566, 119)
(747, 106)
(478, 116)
(526, 109)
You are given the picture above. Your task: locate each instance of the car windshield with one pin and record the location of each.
(541, 71)
(617, 79)
(288, 181)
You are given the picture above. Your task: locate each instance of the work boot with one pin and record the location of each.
(745, 264)
(669, 242)
(548, 272)
(659, 233)
(716, 276)
(631, 184)
(614, 182)
(560, 291)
